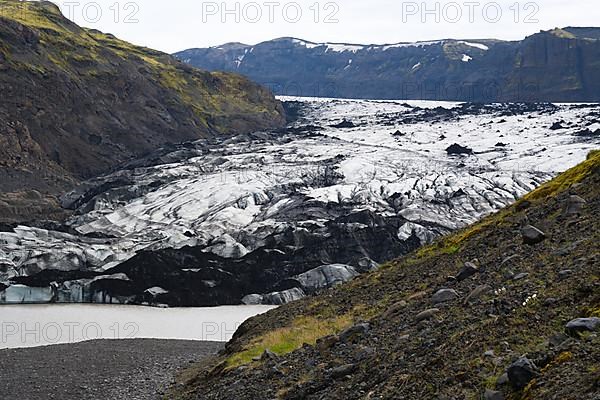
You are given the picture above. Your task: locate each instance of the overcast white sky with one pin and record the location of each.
(180, 24)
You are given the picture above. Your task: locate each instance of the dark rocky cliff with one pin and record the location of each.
(559, 65)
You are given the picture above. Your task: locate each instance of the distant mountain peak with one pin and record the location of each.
(231, 46)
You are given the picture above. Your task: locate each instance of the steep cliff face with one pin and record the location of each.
(76, 102)
(559, 65)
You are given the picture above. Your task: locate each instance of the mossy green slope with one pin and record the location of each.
(443, 357)
(88, 101)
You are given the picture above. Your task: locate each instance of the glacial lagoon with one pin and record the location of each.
(39, 325)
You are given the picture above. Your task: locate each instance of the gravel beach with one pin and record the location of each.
(104, 369)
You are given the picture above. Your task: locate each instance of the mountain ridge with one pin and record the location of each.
(475, 70)
(372, 45)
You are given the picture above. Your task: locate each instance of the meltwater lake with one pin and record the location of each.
(24, 326)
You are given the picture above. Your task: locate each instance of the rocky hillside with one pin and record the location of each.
(559, 65)
(76, 102)
(508, 308)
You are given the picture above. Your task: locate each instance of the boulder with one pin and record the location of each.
(502, 380)
(427, 314)
(574, 205)
(565, 273)
(521, 372)
(342, 371)
(327, 342)
(477, 293)
(355, 331)
(532, 235)
(268, 355)
(366, 265)
(344, 124)
(493, 395)
(550, 301)
(468, 270)
(394, 309)
(444, 295)
(520, 277)
(457, 149)
(577, 326)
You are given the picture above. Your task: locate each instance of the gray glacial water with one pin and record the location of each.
(39, 325)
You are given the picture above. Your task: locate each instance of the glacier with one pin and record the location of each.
(245, 218)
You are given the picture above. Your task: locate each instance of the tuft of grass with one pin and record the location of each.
(568, 178)
(41, 15)
(303, 330)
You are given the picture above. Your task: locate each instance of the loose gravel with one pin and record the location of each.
(103, 369)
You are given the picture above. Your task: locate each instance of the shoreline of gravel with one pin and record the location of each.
(136, 369)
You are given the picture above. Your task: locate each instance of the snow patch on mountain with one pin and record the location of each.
(341, 48)
(411, 44)
(476, 45)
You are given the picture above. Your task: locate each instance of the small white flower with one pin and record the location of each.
(529, 299)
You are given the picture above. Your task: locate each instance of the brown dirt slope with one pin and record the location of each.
(517, 304)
